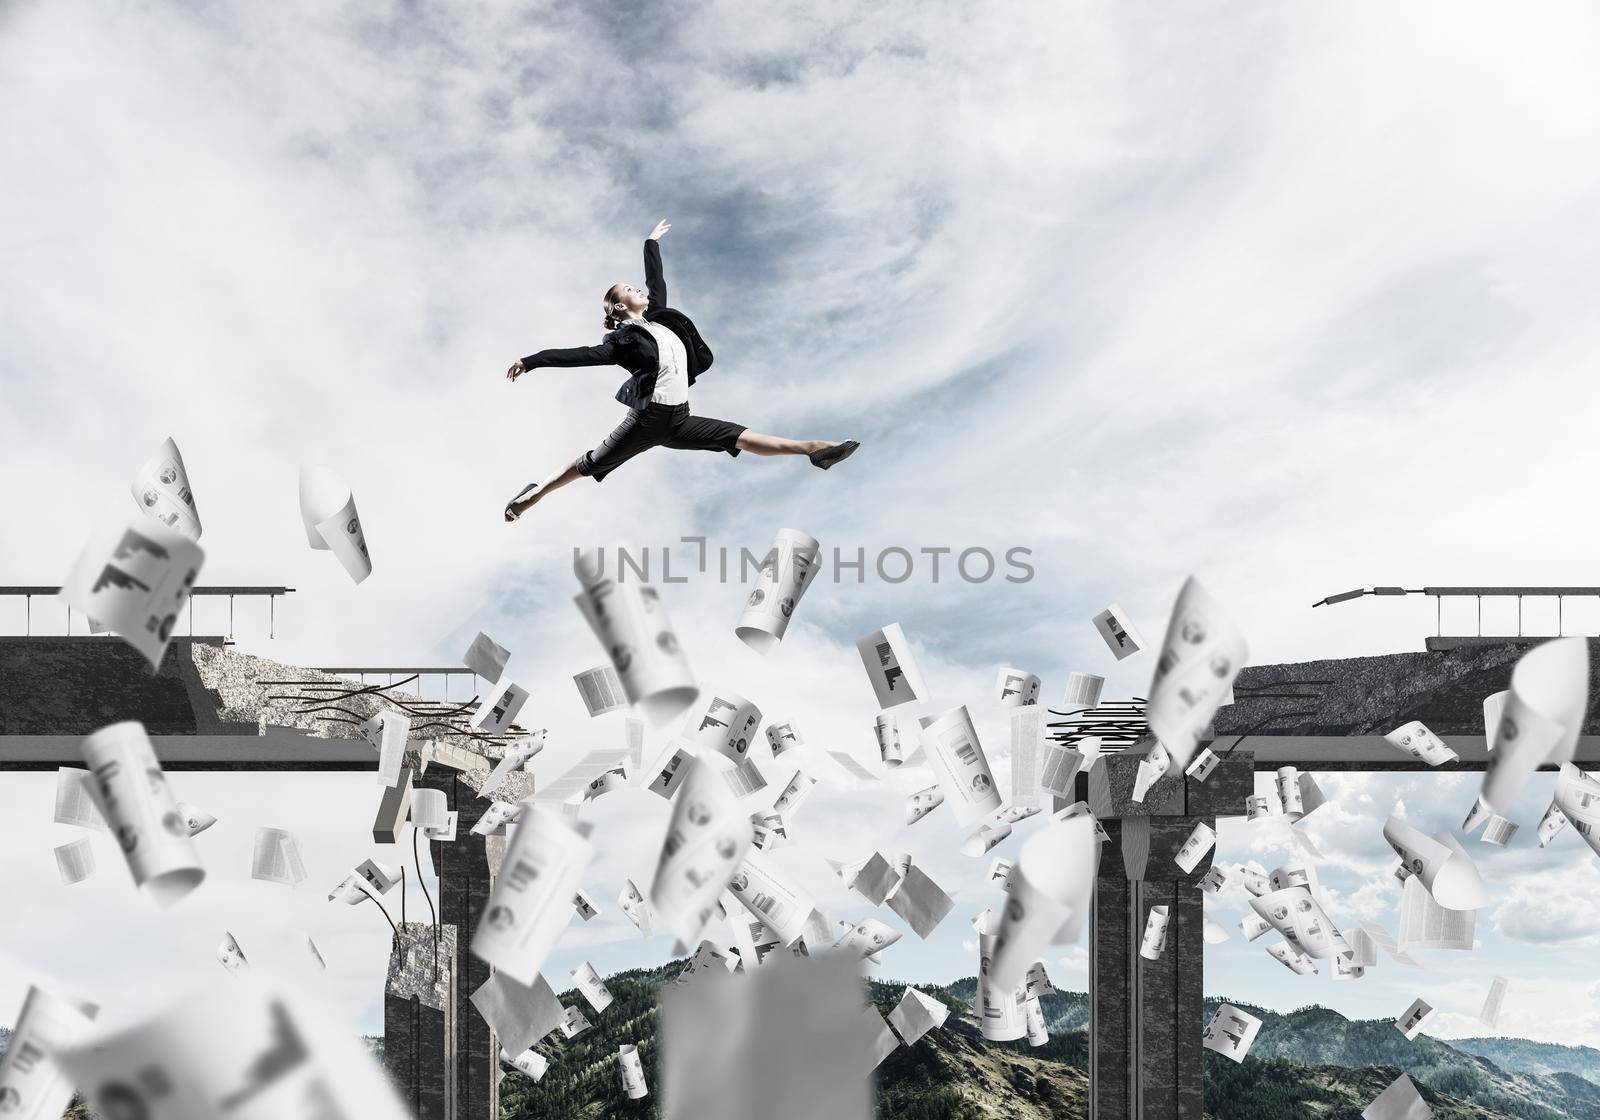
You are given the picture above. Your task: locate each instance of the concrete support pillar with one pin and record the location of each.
(418, 1020)
(1145, 1016)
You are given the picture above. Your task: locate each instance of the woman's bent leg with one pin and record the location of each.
(759, 443)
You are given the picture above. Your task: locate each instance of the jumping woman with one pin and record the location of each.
(664, 355)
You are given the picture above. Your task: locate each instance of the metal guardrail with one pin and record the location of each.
(28, 592)
(1440, 594)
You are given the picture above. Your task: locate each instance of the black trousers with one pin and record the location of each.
(658, 425)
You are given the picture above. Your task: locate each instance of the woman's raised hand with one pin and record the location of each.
(661, 227)
(515, 371)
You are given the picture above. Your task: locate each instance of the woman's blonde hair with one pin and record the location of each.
(613, 306)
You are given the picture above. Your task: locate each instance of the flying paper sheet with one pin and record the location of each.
(1416, 740)
(631, 624)
(632, 1070)
(519, 1014)
(724, 723)
(867, 939)
(1231, 1032)
(634, 729)
(1311, 798)
(1295, 914)
(1033, 1019)
(1254, 881)
(1061, 765)
(1400, 1101)
(75, 800)
(1440, 862)
(1295, 961)
(1494, 706)
(1380, 937)
(886, 656)
(486, 657)
(1411, 1022)
(887, 732)
(387, 732)
(1037, 982)
(705, 841)
(1577, 799)
(161, 488)
(1155, 933)
(1048, 900)
(381, 877)
(1492, 1001)
(529, 1062)
(277, 857)
(1152, 768)
(1202, 838)
(1258, 805)
(1001, 1014)
(131, 792)
(1214, 879)
(1541, 720)
(595, 773)
(873, 878)
(794, 795)
(958, 762)
(430, 808)
(1027, 745)
(495, 818)
(987, 837)
(499, 708)
(75, 861)
(782, 737)
(923, 802)
(670, 774)
(1213, 932)
(32, 1087)
(1200, 656)
(1117, 631)
(1253, 926)
(920, 902)
(1204, 762)
(1083, 691)
(857, 772)
(328, 509)
(1288, 785)
(637, 909)
(1014, 687)
(1498, 831)
(230, 955)
(601, 690)
(531, 901)
(1000, 873)
(770, 895)
(593, 988)
(134, 577)
(195, 819)
(1551, 824)
(584, 906)
(916, 1014)
(244, 1051)
(1424, 924)
(573, 1023)
(786, 572)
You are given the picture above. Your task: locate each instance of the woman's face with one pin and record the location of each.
(634, 299)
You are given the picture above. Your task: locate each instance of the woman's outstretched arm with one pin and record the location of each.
(655, 280)
(604, 354)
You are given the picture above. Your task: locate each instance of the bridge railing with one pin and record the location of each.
(43, 617)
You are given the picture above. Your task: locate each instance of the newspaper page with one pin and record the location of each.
(916, 1014)
(134, 576)
(1027, 744)
(1204, 762)
(1400, 1101)
(75, 861)
(601, 690)
(705, 841)
(32, 1087)
(1492, 1001)
(1200, 656)
(519, 1014)
(530, 1063)
(787, 570)
(1440, 862)
(593, 989)
(1577, 799)
(923, 802)
(1052, 884)
(387, 731)
(1116, 629)
(328, 509)
(1202, 838)
(1291, 958)
(1083, 691)
(531, 902)
(1416, 740)
(75, 801)
(920, 902)
(632, 1071)
(499, 708)
(1213, 932)
(782, 737)
(230, 955)
(886, 656)
(772, 896)
(632, 903)
(1154, 942)
(988, 836)
(1016, 687)
(1411, 1022)
(277, 857)
(130, 790)
(1541, 719)
(723, 723)
(1424, 924)
(162, 490)
(245, 1050)
(1231, 1032)
(1295, 914)
(671, 772)
(958, 761)
(486, 657)
(1061, 765)
(1152, 768)
(631, 625)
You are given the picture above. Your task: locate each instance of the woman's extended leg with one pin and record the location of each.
(823, 453)
(520, 505)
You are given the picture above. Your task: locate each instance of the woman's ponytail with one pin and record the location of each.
(613, 308)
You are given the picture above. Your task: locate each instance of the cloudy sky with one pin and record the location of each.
(1294, 299)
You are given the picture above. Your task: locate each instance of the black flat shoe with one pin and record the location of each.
(838, 453)
(511, 514)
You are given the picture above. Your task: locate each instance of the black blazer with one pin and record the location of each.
(634, 348)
